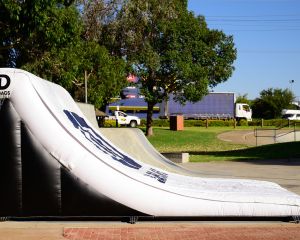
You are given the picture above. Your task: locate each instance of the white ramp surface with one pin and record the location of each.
(56, 121)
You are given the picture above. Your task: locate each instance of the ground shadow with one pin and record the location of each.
(279, 153)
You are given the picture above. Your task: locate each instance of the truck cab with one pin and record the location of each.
(243, 111)
(127, 120)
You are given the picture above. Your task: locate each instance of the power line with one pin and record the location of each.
(269, 23)
(263, 30)
(253, 20)
(258, 26)
(252, 16)
(253, 25)
(297, 51)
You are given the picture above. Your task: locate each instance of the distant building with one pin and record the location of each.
(130, 92)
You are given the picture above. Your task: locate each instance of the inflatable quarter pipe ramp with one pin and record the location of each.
(54, 163)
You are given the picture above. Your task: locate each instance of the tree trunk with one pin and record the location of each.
(149, 130)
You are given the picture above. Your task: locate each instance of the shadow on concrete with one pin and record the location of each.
(280, 153)
(285, 162)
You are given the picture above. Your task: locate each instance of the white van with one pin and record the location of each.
(291, 114)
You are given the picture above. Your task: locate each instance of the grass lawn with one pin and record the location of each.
(203, 145)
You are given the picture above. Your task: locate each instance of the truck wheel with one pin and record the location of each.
(133, 124)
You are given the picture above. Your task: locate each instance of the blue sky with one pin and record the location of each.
(267, 37)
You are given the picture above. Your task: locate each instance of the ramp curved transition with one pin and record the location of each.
(53, 153)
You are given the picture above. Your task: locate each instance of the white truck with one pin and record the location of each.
(127, 120)
(291, 114)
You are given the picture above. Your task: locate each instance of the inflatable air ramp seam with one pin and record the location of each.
(54, 163)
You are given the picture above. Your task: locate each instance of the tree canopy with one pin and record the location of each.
(170, 49)
(48, 38)
(243, 99)
(271, 102)
(106, 74)
(30, 28)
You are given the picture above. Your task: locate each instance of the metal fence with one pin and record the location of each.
(287, 133)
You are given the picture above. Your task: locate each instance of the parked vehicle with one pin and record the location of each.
(133, 106)
(127, 120)
(212, 106)
(291, 114)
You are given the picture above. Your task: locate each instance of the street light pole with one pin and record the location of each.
(291, 83)
(296, 98)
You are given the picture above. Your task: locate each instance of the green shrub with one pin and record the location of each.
(156, 123)
(242, 122)
(110, 123)
(269, 122)
(213, 123)
(192, 123)
(220, 123)
(255, 122)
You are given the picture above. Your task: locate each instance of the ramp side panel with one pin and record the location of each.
(10, 161)
(41, 179)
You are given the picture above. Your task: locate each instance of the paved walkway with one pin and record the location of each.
(188, 232)
(244, 137)
(149, 230)
(247, 137)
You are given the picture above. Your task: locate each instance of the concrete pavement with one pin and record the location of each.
(149, 230)
(264, 136)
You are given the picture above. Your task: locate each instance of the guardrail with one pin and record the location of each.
(277, 133)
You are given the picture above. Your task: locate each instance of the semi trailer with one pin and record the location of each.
(215, 105)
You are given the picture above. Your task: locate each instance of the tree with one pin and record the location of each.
(30, 28)
(243, 99)
(67, 66)
(48, 39)
(170, 49)
(271, 102)
(98, 14)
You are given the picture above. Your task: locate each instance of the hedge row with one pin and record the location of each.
(214, 123)
(273, 122)
(192, 123)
